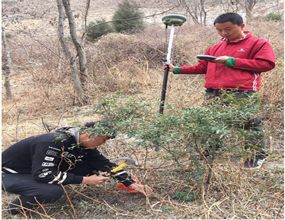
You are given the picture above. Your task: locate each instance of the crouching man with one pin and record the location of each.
(38, 167)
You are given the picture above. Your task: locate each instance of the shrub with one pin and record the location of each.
(128, 17)
(186, 132)
(273, 17)
(98, 28)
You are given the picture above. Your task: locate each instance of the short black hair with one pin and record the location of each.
(100, 128)
(229, 17)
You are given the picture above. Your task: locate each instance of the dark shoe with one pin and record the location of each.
(254, 163)
(206, 153)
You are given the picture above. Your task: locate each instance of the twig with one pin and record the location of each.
(69, 200)
(47, 130)
(281, 194)
(101, 203)
(41, 206)
(18, 119)
(279, 211)
(26, 209)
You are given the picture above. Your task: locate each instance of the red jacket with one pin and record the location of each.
(253, 56)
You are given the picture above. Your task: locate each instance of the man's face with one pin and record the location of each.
(230, 31)
(94, 142)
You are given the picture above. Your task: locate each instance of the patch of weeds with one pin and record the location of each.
(255, 199)
(132, 209)
(274, 155)
(135, 208)
(279, 170)
(274, 17)
(9, 36)
(169, 172)
(86, 205)
(229, 194)
(65, 207)
(186, 196)
(266, 174)
(167, 208)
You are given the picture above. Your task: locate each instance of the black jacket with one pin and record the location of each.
(49, 157)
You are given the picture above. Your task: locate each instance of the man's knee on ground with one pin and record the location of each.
(51, 195)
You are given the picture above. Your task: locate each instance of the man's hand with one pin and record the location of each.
(221, 59)
(141, 188)
(94, 180)
(171, 67)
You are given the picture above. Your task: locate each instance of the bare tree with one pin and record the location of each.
(229, 5)
(77, 75)
(249, 4)
(195, 9)
(237, 5)
(6, 66)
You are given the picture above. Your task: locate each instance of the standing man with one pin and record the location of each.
(38, 167)
(240, 60)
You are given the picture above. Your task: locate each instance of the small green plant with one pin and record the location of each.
(8, 35)
(66, 207)
(279, 170)
(274, 17)
(186, 196)
(128, 17)
(86, 205)
(274, 155)
(166, 208)
(98, 28)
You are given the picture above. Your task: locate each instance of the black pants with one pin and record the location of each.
(32, 192)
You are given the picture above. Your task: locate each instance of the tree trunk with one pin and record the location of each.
(71, 60)
(78, 45)
(249, 4)
(195, 9)
(7, 65)
(203, 12)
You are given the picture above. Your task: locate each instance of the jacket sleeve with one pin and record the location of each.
(99, 162)
(262, 60)
(46, 158)
(201, 68)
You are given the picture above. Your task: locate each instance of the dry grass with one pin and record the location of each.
(124, 66)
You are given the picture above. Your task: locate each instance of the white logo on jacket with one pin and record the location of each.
(68, 155)
(51, 153)
(49, 158)
(43, 175)
(46, 164)
(54, 148)
(241, 50)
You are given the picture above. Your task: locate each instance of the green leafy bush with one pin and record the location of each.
(128, 17)
(274, 17)
(98, 28)
(185, 132)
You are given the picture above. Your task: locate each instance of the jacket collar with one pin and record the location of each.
(247, 35)
(71, 131)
